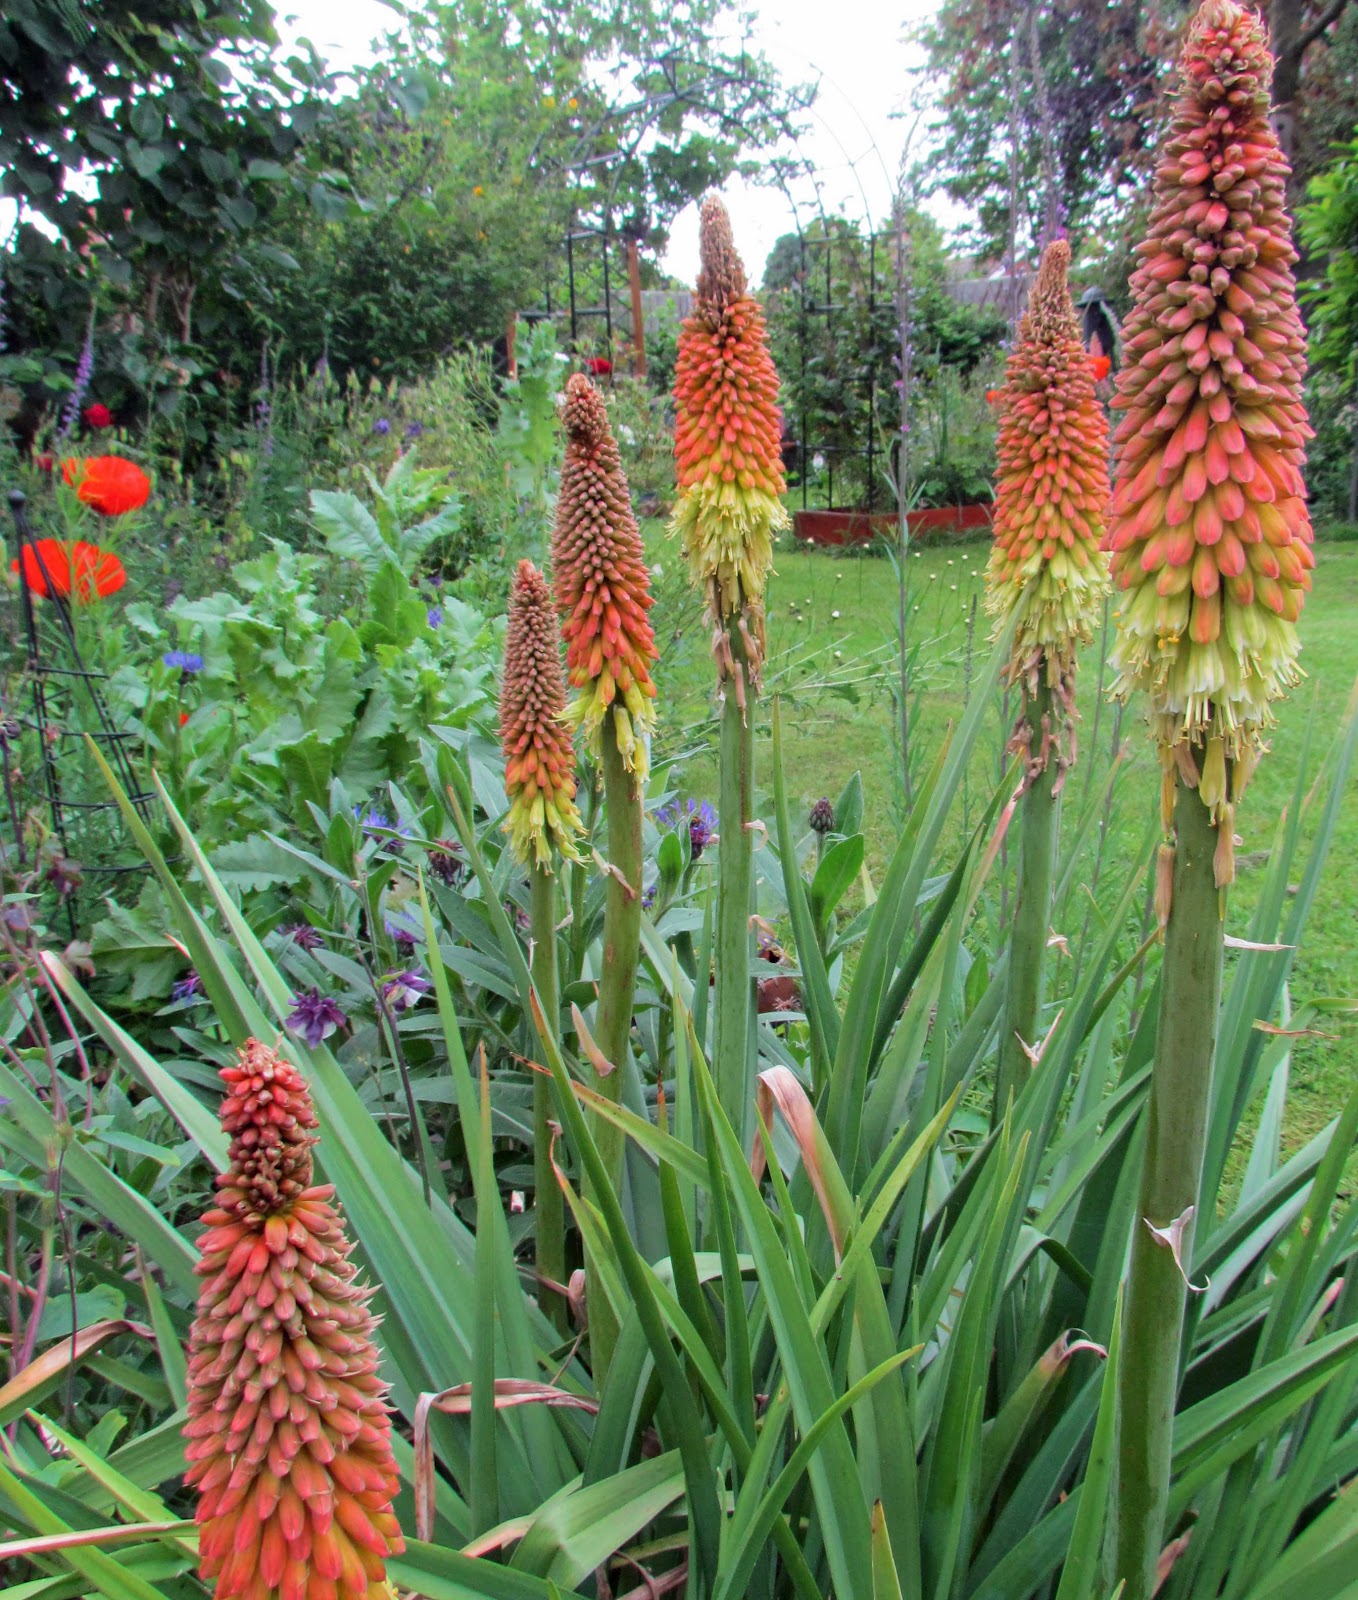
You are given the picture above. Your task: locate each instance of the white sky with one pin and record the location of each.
(859, 123)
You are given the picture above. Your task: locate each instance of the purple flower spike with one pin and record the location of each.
(315, 1016)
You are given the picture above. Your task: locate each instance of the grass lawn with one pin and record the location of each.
(832, 657)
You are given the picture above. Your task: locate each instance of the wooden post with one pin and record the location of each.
(638, 319)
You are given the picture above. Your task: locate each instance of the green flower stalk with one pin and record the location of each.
(540, 781)
(603, 596)
(727, 454)
(1211, 547)
(1047, 578)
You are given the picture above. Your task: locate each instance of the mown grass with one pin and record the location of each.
(832, 656)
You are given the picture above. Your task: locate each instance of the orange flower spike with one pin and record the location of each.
(1209, 529)
(288, 1439)
(539, 761)
(603, 590)
(727, 441)
(1052, 483)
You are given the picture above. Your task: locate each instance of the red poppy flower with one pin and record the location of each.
(599, 366)
(43, 462)
(97, 416)
(83, 569)
(112, 485)
(1102, 367)
(183, 718)
(993, 396)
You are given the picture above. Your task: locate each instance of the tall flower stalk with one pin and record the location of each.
(603, 596)
(288, 1438)
(730, 475)
(542, 823)
(1047, 578)
(1211, 547)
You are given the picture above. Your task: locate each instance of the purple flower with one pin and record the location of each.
(186, 661)
(401, 932)
(382, 426)
(701, 819)
(303, 935)
(648, 898)
(83, 373)
(434, 616)
(414, 430)
(315, 1016)
(189, 987)
(446, 863)
(405, 989)
(822, 818)
(381, 828)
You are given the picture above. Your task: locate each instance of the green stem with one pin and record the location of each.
(1039, 826)
(1185, 1045)
(617, 982)
(732, 1056)
(548, 1205)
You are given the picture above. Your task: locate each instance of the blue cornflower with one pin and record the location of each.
(414, 430)
(648, 897)
(315, 1016)
(405, 989)
(189, 987)
(701, 819)
(434, 616)
(185, 661)
(381, 828)
(382, 426)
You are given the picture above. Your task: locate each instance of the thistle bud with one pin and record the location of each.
(1052, 485)
(288, 1438)
(727, 441)
(603, 591)
(539, 760)
(1208, 524)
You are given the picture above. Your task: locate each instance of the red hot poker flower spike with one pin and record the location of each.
(1208, 525)
(1051, 487)
(539, 761)
(288, 1439)
(603, 590)
(727, 440)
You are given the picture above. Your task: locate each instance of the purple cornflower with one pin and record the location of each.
(405, 989)
(434, 617)
(378, 826)
(701, 819)
(189, 987)
(186, 661)
(315, 1016)
(382, 426)
(83, 373)
(414, 430)
(822, 818)
(648, 898)
(303, 935)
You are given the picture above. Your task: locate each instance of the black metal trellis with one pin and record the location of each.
(58, 677)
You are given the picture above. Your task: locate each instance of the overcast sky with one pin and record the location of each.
(855, 49)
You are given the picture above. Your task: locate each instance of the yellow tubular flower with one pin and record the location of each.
(603, 590)
(1051, 487)
(1208, 524)
(539, 760)
(727, 442)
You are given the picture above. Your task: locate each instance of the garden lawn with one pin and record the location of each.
(832, 628)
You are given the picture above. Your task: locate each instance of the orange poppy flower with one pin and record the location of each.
(111, 485)
(81, 569)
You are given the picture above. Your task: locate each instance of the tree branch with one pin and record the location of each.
(1307, 39)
